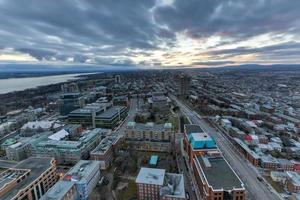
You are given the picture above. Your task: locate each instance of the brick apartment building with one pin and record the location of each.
(215, 178)
(156, 184)
(29, 179)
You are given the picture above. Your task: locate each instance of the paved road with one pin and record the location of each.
(257, 190)
(130, 117)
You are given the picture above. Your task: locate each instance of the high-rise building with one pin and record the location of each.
(118, 79)
(184, 85)
(70, 102)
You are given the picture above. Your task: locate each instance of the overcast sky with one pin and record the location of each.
(151, 33)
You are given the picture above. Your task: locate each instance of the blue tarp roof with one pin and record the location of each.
(153, 160)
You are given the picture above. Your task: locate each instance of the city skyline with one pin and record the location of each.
(151, 34)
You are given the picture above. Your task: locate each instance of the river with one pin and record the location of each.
(19, 84)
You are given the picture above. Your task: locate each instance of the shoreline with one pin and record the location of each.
(35, 82)
(9, 75)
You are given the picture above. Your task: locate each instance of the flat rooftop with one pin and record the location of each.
(7, 164)
(246, 148)
(286, 117)
(111, 112)
(81, 170)
(105, 144)
(85, 138)
(269, 159)
(153, 160)
(58, 191)
(37, 166)
(201, 141)
(10, 175)
(123, 97)
(295, 177)
(192, 128)
(89, 109)
(173, 186)
(201, 137)
(151, 176)
(218, 173)
(148, 126)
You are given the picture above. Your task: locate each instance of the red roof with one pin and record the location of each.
(68, 177)
(297, 167)
(247, 138)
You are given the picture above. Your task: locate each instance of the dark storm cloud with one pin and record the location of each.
(117, 31)
(107, 61)
(287, 48)
(238, 18)
(37, 53)
(73, 27)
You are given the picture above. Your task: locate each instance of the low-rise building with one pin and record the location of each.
(34, 127)
(269, 162)
(111, 117)
(68, 151)
(159, 103)
(85, 174)
(216, 179)
(287, 118)
(150, 136)
(19, 150)
(196, 141)
(120, 101)
(296, 165)
(247, 152)
(226, 123)
(101, 115)
(278, 176)
(28, 179)
(104, 152)
(62, 190)
(5, 127)
(156, 184)
(73, 129)
(293, 182)
(173, 187)
(263, 139)
(86, 115)
(285, 164)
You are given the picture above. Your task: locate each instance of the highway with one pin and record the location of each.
(256, 189)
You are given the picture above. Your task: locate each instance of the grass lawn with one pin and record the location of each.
(165, 160)
(130, 192)
(174, 121)
(275, 185)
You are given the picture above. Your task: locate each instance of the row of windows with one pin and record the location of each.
(236, 198)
